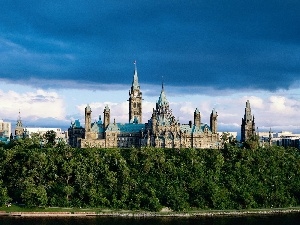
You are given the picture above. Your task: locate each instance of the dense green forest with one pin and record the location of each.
(149, 178)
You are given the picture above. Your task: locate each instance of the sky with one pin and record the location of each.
(58, 56)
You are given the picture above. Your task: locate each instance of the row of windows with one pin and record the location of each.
(125, 139)
(136, 104)
(4, 126)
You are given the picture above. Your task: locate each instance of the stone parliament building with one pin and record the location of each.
(162, 130)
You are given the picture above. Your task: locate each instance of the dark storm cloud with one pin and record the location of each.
(217, 44)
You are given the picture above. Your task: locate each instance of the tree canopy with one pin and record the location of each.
(149, 178)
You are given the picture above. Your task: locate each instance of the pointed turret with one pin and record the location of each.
(247, 116)
(88, 118)
(197, 118)
(163, 112)
(213, 121)
(248, 123)
(106, 113)
(162, 100)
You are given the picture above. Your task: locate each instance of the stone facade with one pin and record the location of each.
(162, 130)
(248, 124)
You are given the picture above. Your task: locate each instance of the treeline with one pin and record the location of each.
(149, 178)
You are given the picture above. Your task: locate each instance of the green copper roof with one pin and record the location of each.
(131, 127)
(112, 127)
(97, 126)
(126, 127)
(194, 129)
(76, 124)
(162, 100)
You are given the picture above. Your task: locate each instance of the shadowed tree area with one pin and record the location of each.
(149, 178)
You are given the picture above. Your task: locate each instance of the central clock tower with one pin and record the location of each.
(135, 100)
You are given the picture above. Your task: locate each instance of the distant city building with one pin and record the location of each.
(230, 134)
(60, 135)
(21, 132)
(248, 124)
(283, 138)
(162, 129)
(41, 130)
(5, 131)
(265, 138)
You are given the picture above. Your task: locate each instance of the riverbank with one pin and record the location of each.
(204, 213)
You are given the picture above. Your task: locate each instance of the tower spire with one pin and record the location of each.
(19, 127)
(135, 99)
(162, 100)
(19, 121)
(248, 124)
(135, 83)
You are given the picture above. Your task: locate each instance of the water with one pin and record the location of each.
(286, 219)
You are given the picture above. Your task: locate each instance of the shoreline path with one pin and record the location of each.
(150, 214)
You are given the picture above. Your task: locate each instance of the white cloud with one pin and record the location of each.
(282, 105)
(277, 103)
(256, 102)
(147, 110)
(35, 104)
(118, 111)
(185, 109)
(278, 112)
